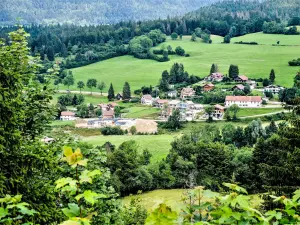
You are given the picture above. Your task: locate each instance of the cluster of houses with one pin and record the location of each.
(190, 111)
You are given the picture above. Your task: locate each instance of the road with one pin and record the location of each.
(82, 92)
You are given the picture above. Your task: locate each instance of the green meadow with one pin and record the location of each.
(158, 145)
(253, 61)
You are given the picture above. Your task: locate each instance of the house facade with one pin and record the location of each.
(219, 111)
(172, 94)
(273, 88)
(108, 112)
(161, 102)
(147, 100)
(244, 101)
(187, 93)
(208, 87)
(67, 115)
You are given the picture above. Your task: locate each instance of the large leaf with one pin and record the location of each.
(67, 151)
(90, 196)
(86, 176)
(64, 181)
(3, 212)
(235, 187)
(72, 211)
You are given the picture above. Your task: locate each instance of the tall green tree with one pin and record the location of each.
(27, 166)
(174, 122)
(214, 68)
(69, 80)
(272, 76)
(174, 36)
(235, 109)
(101, 86)
(126, 91)
(233, 71)
(111, 93)
(91, 83)
(194, 37)
(80, 85)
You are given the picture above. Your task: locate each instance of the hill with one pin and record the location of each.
(93, 11)
(253, 61)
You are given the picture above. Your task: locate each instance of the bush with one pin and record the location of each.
(187, 55)
(294, 62)
(135, 100)
(246, 43)
(111, 131)
(180, 51)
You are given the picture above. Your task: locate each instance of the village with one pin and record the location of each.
(183, 101)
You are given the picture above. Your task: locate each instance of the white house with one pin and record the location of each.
(147, 100)
(174, 104)
(67, 115)
(273, 88)
(251, 83)
(243, 101)
(172, 94)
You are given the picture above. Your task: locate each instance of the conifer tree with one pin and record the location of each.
(272, 76)
(214, 68)
(126, 91)
(111, 93)
(233, 71)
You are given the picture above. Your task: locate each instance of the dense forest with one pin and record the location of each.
(88, 12)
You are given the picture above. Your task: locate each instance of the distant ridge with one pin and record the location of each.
(87, 12)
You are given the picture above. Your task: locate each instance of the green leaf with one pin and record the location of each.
(67, 151)
(90, 196)
(86, 176)
(296, 195)
(72, 211)
(3, 212)
(64, 181)
(235, 187)
(71, 222)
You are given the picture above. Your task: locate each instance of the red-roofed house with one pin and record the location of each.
(243, 101)
(108, 112)
(161, 102)
(219, 111)
(241, 79)
(67, 115)
(208, 87)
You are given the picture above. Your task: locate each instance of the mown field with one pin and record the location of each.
(172, 197)
(257, 111)
(253, 61)
(158, 145)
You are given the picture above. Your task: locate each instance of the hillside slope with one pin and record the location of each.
(93, 11)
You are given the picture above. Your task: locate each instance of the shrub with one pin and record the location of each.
(246, 43)
(111, 131)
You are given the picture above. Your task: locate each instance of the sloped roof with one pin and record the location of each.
(148, 97)
(67, 113)
(244, 98)
(243, 77)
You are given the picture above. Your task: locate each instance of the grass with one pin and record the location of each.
(62, 123)
(158, 145)
(142, 112)
(172, 198)
(253, 61)
(152, 199)
(269, 39)
(257, 111)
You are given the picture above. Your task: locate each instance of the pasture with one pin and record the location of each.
(253, 61)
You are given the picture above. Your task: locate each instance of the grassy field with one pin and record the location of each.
(158, 145)
(253, 61)
(269, 39)
(142, 112)
(257, 111)
(172, 198)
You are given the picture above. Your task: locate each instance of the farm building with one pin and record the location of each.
(243, 101)
(67, 115)
(146, 100)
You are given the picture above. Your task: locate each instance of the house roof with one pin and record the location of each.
(111, 104)
(217, 75)
(190, 102)
(147, 97)
(243, 77)
(209, 85)
(244, 98)
(67, 113)
(109, 112)
(174, 102)
(162, 101)
(239, 86)
(219, 107)
(174, 91)
(187, 90)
